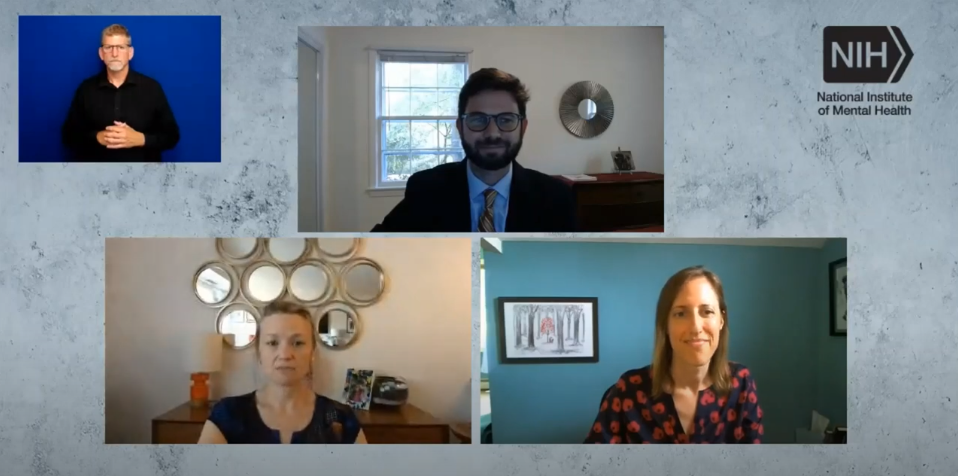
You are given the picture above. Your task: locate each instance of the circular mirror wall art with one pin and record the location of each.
(239, 250)
(214, 284)
(287, 250)
(586, 109)
(310, 282)
(362, 282)
(337, 326)
(237, 323)
(337, 250)
(263, 283)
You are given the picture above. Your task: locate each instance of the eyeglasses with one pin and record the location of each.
(478, 122)
(110, 48)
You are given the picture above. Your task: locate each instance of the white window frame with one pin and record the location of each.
(376, 185)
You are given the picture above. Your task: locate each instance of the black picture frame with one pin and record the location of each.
(838, 297)
(593, 336)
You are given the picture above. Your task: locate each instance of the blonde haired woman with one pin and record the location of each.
(691, 393)
(286, 409)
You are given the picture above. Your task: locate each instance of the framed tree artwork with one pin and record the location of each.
(535, 330)
(838, 296)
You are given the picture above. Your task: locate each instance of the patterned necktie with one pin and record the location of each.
(486, 224)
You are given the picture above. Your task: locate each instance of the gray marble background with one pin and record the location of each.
(746, 155)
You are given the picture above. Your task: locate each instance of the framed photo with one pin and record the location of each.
(622, 161)
(535, 330)
(358, 389)
(838, 296)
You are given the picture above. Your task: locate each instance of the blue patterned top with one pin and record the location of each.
(239, 421)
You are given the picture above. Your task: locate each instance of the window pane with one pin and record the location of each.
(423, 103)
(397, 103)
(423, 162)
(425, 135)
(449, 158)
(449, 136)
(448, 103)
(396, 167)
(452, 75)
(396, 74)
(396, 135)
(423, 75)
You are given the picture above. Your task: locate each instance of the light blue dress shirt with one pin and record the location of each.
(477, 199)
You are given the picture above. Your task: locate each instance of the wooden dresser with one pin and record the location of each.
(381, 425)
(620, 202)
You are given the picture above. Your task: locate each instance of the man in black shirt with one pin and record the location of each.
(119, 115)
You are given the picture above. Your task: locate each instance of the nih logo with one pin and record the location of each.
(865, 54)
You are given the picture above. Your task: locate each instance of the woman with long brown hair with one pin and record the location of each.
(286, 409)
(691, 393)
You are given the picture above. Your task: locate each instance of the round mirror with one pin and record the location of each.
(363, 282)
(309, 282)
(286, 250)
(263, 282)
(213, 284)
(337, 326)
(337, 250)
(238, 249)
(587, 109)
(237, 323)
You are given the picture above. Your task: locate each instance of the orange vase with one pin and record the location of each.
(199, 389)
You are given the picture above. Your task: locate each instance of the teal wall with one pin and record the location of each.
(778, 322)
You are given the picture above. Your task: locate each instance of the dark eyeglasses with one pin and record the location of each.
(478, 122)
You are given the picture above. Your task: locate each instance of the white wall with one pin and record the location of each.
(420, 330)
(628, 61)
(311, 168)
(308, 130)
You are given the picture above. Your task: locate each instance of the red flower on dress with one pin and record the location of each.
(708, 398)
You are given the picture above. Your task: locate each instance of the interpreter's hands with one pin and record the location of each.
(120, 136)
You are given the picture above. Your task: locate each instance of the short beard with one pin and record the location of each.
(497, 162)
(113, 67)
